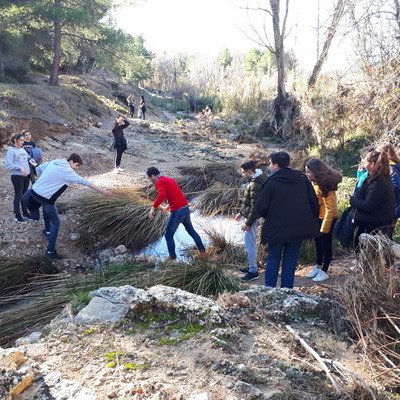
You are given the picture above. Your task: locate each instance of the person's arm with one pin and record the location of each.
(330, 203)
(101, 190)
(125, 124)
(374, 194)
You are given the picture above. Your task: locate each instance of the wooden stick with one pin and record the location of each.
(310, 350)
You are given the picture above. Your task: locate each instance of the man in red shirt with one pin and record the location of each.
(169, 191)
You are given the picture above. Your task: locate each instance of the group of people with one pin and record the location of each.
(297, 206)
(291, 206)
(141, 108)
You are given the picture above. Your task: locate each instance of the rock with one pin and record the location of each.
(200, 396)
(34, 337)
(75, 236)
(121, 249)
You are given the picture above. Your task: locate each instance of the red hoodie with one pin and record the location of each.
(169, 190)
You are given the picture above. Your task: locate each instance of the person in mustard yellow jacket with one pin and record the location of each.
(325, 181)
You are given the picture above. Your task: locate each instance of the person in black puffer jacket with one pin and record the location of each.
(119, 141)
(375, 201)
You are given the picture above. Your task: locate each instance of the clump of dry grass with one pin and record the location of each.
(203, 276)
(227, 173)
(219, 200)
(111, 221)
(371, 299)
(16, 271)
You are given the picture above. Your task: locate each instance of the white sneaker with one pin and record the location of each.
(115, 170)
(314, 272)
(120, 169)
(321, 276)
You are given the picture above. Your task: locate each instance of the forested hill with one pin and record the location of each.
(78, 102)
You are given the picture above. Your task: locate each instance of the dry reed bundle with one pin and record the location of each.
(223, 250)
(215, 172)
(111, 221)
(219, 200)
(15, 271)
(371, 298)
(202, 276)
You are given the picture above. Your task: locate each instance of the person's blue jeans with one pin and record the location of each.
(51, 221)
(288, 253)
(181, 216)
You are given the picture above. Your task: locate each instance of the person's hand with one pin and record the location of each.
(245, 227)
(165, 209)
(151, 213)
(238, 217)
(108, 193)
(24, 171)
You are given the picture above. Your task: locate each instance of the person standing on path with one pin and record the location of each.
(119, 144)
(289, 205)
(54, 178)
(256, 178)
(131, 104)
(168, 190)
(17, 162)
(325, 181)
(142, 108)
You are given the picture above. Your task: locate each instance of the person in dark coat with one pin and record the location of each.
(119, 141)
(142, 108)
(290, 207)
(375, 201)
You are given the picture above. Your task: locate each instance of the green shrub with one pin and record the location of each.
(95, 111)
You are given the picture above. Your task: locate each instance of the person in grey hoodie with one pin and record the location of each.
(17, 161)
(54, 178)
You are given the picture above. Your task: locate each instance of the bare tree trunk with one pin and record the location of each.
(55, 66)
(2, 72)
(397, 14)
(279, 50)
(337, 16)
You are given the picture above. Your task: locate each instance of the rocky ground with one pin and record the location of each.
(256, 359)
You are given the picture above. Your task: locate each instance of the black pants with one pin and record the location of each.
(21, 184)
(323, 247)
(131, 110)
(118, 156)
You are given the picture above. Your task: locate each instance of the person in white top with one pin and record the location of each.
(54, 178)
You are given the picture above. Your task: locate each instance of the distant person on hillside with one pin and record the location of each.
(394, 164)
(131, 104)
(325, 181)
(119, 144)
(169, 191)
(17, 162)
(54, 178)
(142, 108)
(248, 210)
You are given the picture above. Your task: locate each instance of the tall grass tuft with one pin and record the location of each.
(219, 200)
(111, 221)
(202, 276)
(227, 174)
(15, 272)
